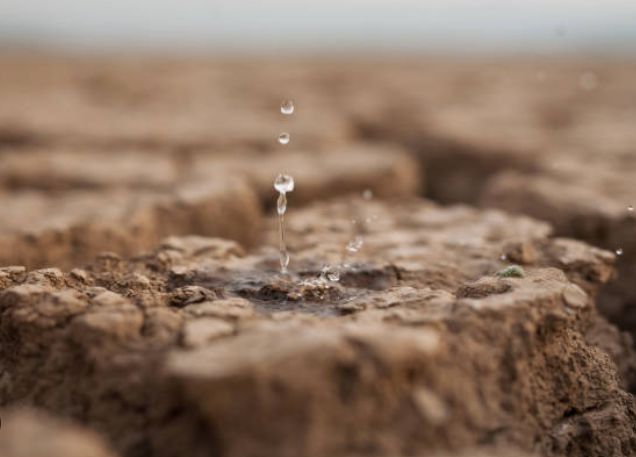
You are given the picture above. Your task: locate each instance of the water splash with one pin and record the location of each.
(330, 274)
(287, 107)
(283, 138)
(283, 184)
(355, 244)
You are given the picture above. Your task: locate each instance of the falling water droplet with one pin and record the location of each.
(630, 208)
(355, 244)
(281, 204)
(287, 107)
(283, 138)
(367, 194)
(619, 251)
(283, 184)
(284, 261)
(503, 257)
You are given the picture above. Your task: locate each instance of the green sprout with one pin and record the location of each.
(513, 271)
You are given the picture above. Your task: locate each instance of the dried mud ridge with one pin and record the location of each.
(163, 354)
(195, 345)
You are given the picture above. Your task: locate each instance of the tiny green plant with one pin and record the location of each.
(513, 271)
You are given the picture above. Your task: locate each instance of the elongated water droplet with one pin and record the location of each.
(619, 251)
(283, 184)
(287, 107)
(283, 138)
(281, 204)
(355, 244)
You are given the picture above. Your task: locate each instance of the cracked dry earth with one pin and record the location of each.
(149, 317)
(203, 348)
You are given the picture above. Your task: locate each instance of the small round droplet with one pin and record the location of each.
(630, 208)
(619, 251)
(287, 107)
(367, 194)
(284, 183)
(503, 257)
(355, 244)
(283, 138)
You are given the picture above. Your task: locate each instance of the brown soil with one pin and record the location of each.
(184, 339)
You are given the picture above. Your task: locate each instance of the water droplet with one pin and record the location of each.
(355, 244)
(287, 107)
(367, 194)
(588, 81)
(619, 251)
(281, 204)
(630, 208)
(283, 138)
(284, 183)
(284, 261)
(330, 273)
(503, 257)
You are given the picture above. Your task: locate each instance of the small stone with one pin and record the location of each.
(574, 296)
(79, 274)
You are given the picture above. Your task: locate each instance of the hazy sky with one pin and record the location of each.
(543, 26)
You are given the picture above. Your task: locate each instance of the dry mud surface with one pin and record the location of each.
(142, 311)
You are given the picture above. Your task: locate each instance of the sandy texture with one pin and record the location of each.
(418, 346)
